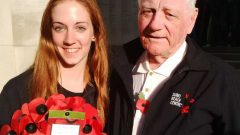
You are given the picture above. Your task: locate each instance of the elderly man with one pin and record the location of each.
(163, 84)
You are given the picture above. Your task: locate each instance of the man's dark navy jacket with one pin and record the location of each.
(211, 83)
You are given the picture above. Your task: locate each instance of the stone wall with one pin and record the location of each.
(19, 34)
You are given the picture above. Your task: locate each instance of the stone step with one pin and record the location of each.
(222, 49)
(228, 56)
(235, 64)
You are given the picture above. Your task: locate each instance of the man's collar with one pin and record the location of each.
(165, 68)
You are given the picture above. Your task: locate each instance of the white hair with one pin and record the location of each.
(192, 3)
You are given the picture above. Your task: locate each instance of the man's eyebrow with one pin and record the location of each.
(171, 8)
(147, 4)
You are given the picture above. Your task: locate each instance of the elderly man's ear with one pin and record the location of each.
(193, 20)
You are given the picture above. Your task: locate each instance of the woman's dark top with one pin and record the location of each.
(16, 92)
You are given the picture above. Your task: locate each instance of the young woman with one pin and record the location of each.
(71, 59)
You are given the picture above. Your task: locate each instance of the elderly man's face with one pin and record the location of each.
(164, 24)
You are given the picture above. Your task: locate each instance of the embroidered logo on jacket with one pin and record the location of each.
(185, 104)
(176, 100)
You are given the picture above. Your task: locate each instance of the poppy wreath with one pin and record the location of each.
(38, 116)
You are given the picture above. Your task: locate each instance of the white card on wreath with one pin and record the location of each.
(64, 129)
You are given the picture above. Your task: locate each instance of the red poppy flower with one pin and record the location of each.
(36, 109)
(56, 102)
(5, 130)
(185, 109)
(187, 102)
(142, 105)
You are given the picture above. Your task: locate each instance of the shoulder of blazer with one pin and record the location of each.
(24, 77)
(19, 83)
(127, 53)
(133, 50)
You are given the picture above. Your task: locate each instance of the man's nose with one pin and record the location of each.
(69, 38)
(157, 21)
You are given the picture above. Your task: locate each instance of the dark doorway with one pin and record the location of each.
(218, 23)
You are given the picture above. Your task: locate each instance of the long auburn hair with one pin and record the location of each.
(46, 65)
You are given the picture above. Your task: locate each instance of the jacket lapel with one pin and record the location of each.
(164, 109)
(123, 59)
(160, 109)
